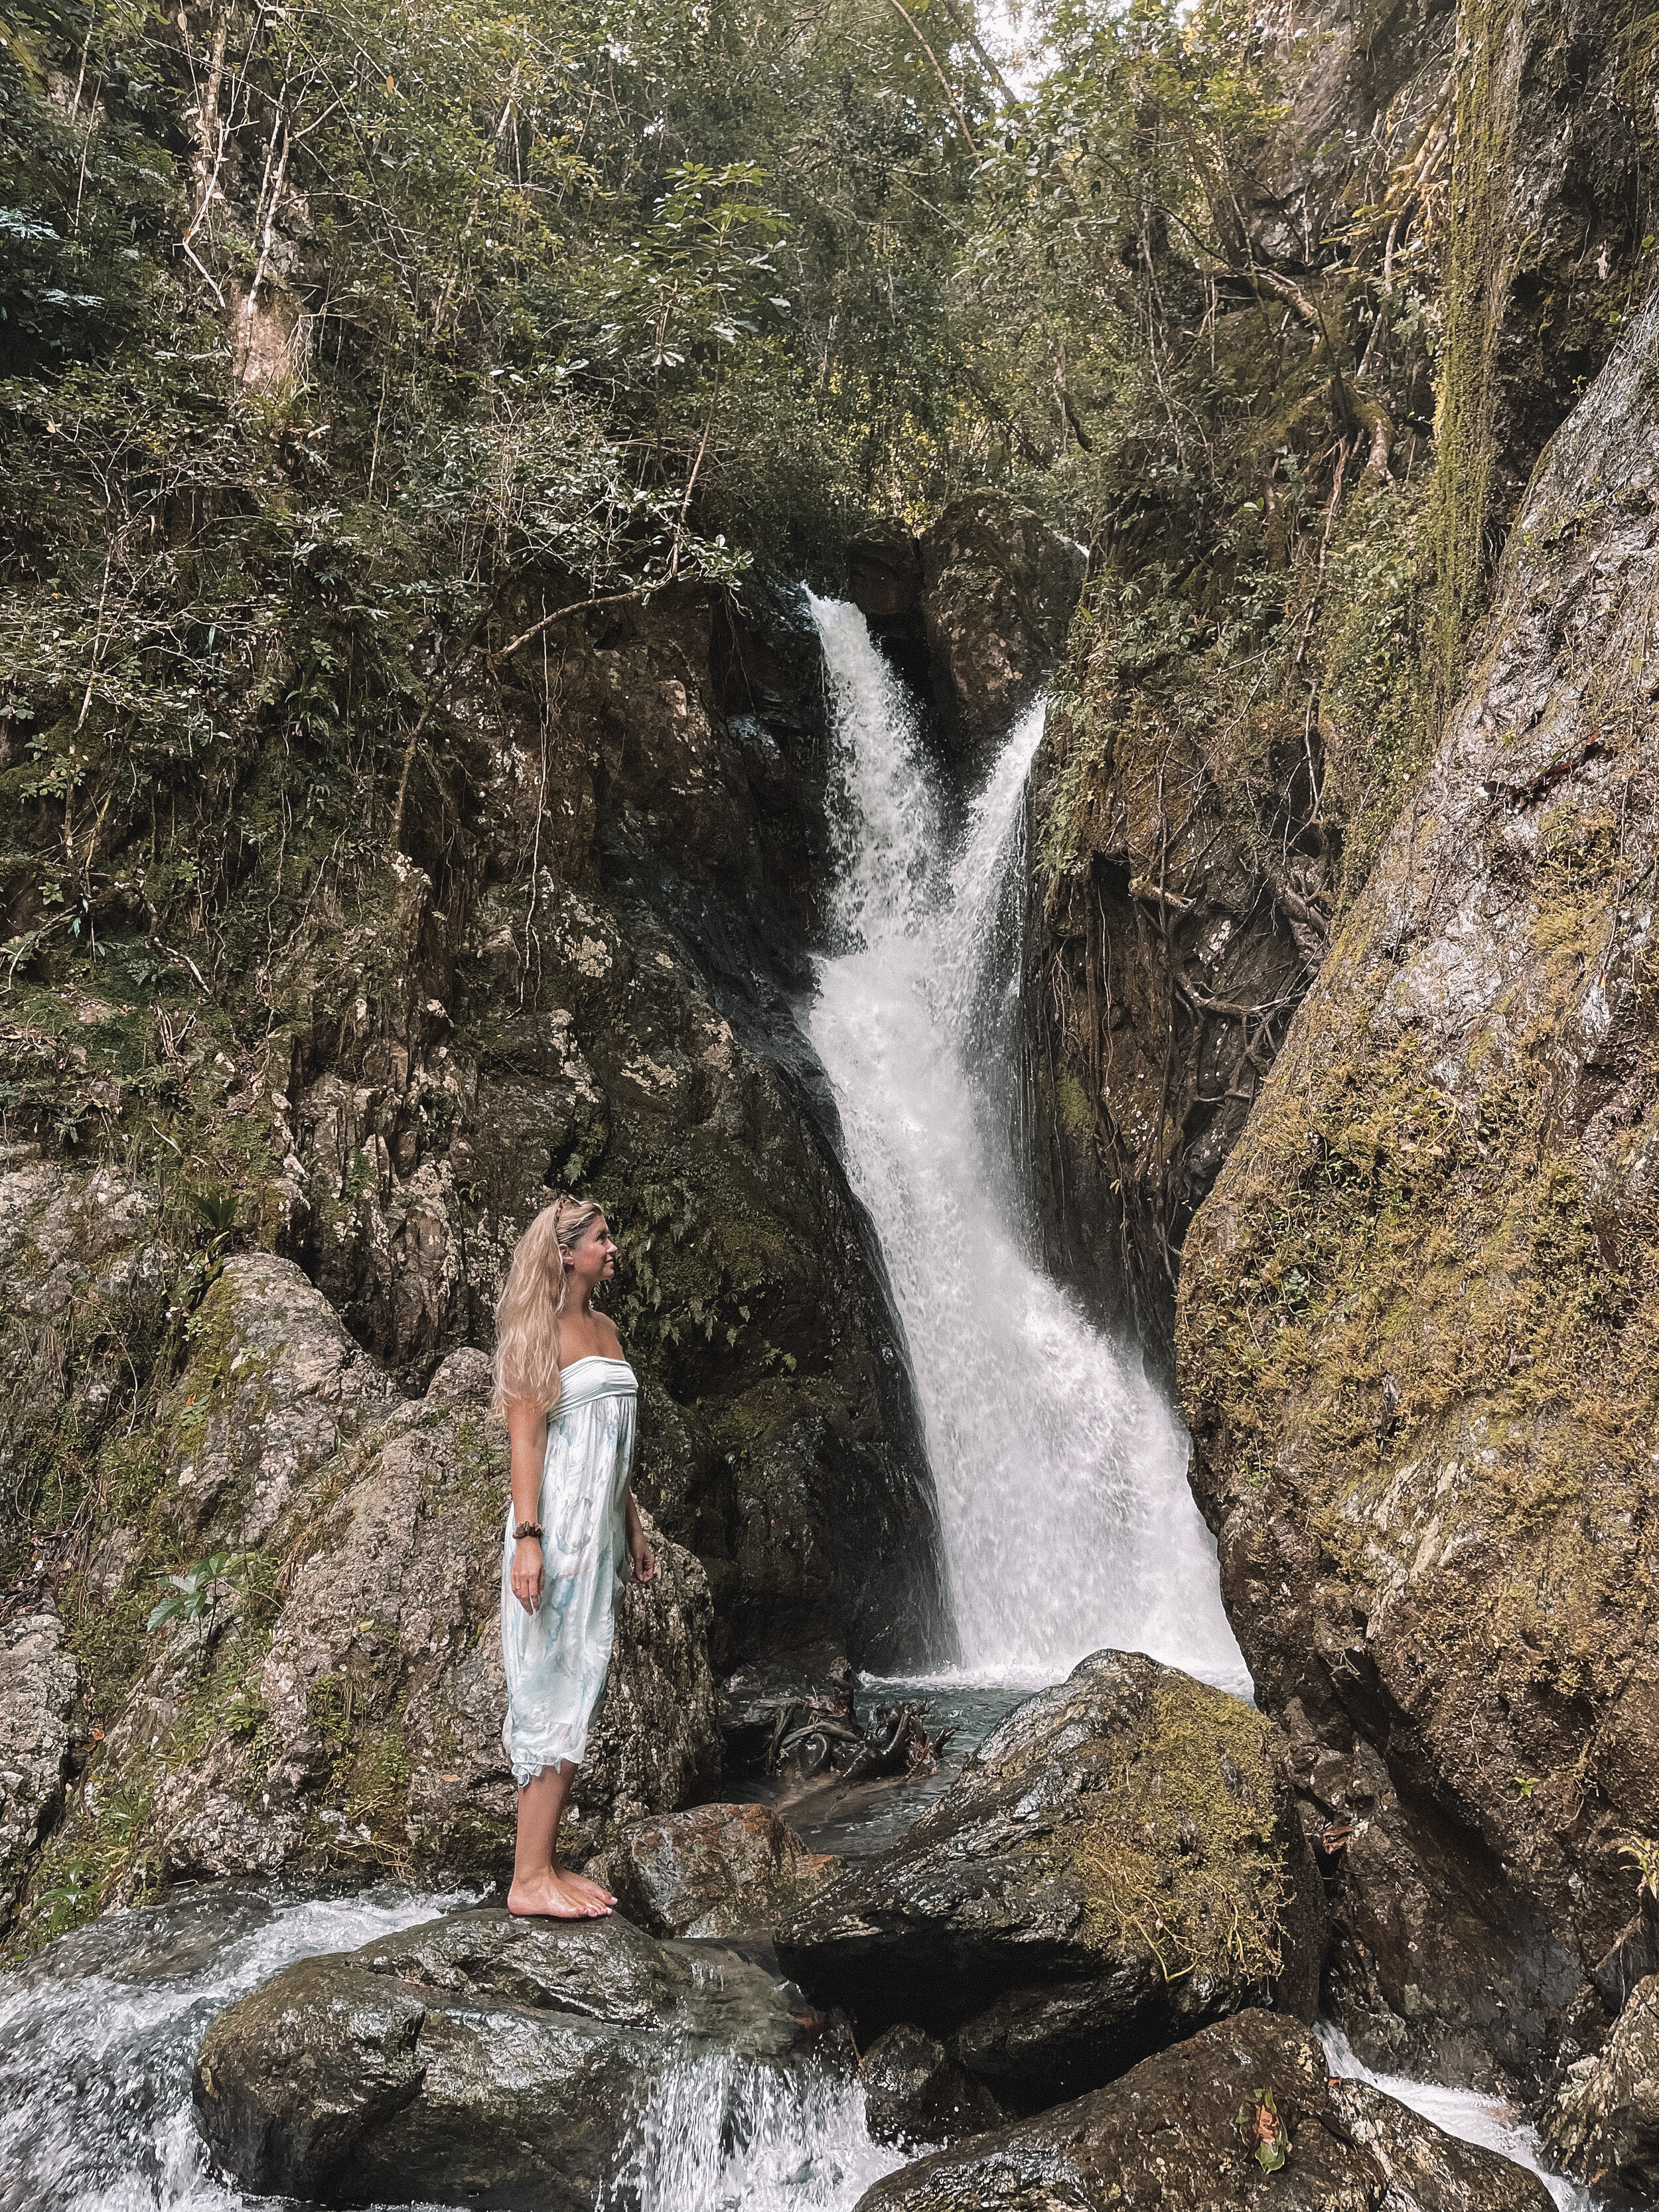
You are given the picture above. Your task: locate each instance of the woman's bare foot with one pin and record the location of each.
(558, 1896)
(602, 1899)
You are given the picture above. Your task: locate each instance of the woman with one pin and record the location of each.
(572, 1529)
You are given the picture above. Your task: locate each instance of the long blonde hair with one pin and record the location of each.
(532, 1299)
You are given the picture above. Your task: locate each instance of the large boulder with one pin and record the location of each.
(1174, 2135)
(1603, 2122)
(716, 1870)
(39, 1695)
(1419, 1312)
(1118, 1864)
(340, 1704)
(478, 2060)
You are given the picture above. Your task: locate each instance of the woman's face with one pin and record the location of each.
(593, 1259)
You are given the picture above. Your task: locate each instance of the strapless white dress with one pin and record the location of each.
(556, 1658)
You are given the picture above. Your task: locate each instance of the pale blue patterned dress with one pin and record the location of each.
(557, 1657)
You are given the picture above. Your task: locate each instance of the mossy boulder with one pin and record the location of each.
(1177, 2134)
(1418, 1331)
(334, 1701)
(1117, 1864)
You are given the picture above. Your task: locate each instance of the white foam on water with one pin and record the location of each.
(98, 2041)
(724, 2135)
(1066, 1519)
(1469, 2114)
(98, 2036)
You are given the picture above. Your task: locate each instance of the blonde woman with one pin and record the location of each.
(573, 1532)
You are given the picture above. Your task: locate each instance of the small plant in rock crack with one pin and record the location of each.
(1642, 1852)
(199, 1594)
(1267, 2136)
(216, 1209)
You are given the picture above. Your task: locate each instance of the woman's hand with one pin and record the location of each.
(639, 1550)
(529, 1575)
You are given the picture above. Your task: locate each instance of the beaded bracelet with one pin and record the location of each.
(527, 1528)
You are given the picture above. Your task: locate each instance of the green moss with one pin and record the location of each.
(1183, 1857)
(1481, 262)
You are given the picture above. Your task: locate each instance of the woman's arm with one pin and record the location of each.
(526, 1431)
(639, 1547)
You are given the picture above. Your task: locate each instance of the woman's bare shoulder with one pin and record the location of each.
(608, 1337)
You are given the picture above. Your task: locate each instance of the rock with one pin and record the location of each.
(1603, 2124)
(915, 2092)
(716, 1870)
(1417, 1326)
(84, 1270)
(1168, 2135)
(347, 1712)
(39, 1692)
(1117, 1864)
(998, 589)
(478, 2060)
(1198, 834)
(884, 572)
(273, 1386)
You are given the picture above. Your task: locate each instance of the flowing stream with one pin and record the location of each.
(1061, 1472)
(1066, 1520)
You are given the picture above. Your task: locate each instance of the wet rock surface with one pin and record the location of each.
(476, 2060)
(1602, 2125)
(1117, 1864)
(1168, 2135)
(1433, 1498)
(715, 1870)
(916, 2093)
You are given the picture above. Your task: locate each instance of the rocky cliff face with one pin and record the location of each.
(1417, 1317)
(567, 966)
(973, 612)
(1445, 239)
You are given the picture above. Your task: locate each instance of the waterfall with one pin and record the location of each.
(1061, 1471)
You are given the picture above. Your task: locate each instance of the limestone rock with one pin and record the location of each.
(1167, 2138)
(998, 589)
(40, 1691)
(916, 2093)
(1118, 1864)
(716, 1870)
(1417, 1324)
(478, 2060)
(1603, 2124)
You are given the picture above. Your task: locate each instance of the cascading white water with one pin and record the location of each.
(98, 2035)
(1067, 1518)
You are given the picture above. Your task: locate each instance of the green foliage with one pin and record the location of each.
(198, 1593)
(1642, 1852)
